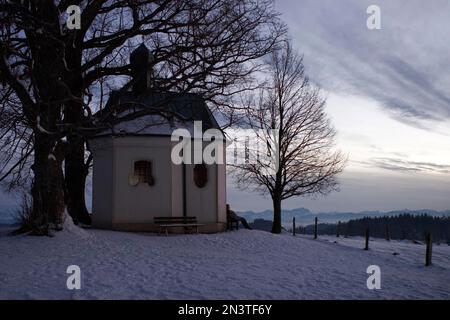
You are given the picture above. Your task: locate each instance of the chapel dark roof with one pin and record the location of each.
(186, 107)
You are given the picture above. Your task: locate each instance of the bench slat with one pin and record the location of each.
(181, 225)
(172, 220)
(175, 219)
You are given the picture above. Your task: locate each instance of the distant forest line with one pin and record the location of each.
(399, 227)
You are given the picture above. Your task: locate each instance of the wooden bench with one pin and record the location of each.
(188, 223)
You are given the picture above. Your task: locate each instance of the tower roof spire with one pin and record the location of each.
(141, 61)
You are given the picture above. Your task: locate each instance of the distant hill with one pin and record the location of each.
(304, 216)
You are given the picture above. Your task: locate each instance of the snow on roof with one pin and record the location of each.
(148, 125)
(166, 112)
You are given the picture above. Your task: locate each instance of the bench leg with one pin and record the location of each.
(167, 232)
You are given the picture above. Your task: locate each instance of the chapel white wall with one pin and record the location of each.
(115, 201)
(141, 203)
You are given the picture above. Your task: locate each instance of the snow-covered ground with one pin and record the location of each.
(233, 265)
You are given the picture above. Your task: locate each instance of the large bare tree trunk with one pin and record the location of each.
(75, 181)
(74, 166)
(276, 225)
(48, 68)
(276, 199)
(39, 190)
(47, 189)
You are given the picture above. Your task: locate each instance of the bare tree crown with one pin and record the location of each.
(303, 144)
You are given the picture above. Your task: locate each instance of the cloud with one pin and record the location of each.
(405, 66)
(397, 164)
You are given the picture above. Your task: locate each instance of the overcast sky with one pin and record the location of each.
(388, 97)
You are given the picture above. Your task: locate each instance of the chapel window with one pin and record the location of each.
(200, 175)
(143, 172)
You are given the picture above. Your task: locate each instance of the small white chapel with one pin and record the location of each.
(134, 177)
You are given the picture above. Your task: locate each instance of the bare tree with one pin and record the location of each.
(54, 79)
(289, 118)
